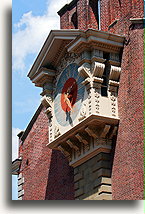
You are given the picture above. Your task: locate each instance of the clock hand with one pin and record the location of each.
(71, 88)
(66, 99)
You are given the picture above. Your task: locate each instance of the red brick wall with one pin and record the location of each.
(64, 21)
(47, 175)
(122, 10)
(85, 13)
(110, 11)
(127, 177)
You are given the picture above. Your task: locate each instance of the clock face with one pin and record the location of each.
(68, 95)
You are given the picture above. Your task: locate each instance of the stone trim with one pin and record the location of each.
(87, 139)
(112, 24)
(16, 165)
(20, 186)
(92, 179)
(51, 46)
(47, 103)
(98, 40)
(137, 20)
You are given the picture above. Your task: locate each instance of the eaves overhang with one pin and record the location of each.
(16, 165)
(74, 41)
(52, 50)
(91, 39)
(67, 7)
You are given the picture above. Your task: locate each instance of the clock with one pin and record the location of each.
(68, 95)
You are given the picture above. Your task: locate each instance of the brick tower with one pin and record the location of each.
(85, 141)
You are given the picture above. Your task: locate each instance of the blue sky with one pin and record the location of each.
(31, 24)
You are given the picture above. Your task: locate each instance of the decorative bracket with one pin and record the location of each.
(82, 139)
(47, 102)
(114, 78)
(92, 74)
(73, 146)
(56, 131)
(98, 69)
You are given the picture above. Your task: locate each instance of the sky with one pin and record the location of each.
(31, 24)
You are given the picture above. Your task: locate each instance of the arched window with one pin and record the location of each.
(95, 6)
(74, 20)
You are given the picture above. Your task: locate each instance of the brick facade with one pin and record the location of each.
(86, 11)
(127, 176)
(129, 147)
(47, 175)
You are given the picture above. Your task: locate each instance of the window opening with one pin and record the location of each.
(74, 20)
(95, 5)
(104, 87)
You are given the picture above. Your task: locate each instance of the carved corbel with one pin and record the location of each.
(73, 146)
(105, 131)
(113, 132)
(97, 82)
(47, 103)
(48, 111)
(91, 132)
(88, 81)
(85, 70)
(114, 73)
(114, 78)
(92, 74)
(82, 140)
(113, 86)
(92, 82)
(98, 69)
(65, 152)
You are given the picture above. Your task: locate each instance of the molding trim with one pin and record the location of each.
(137, 20)
(90, 137)
(51, 47)
(20, 186)
(16, 165)
(98, 40)
(112, 24)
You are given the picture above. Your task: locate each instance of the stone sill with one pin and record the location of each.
(137, 20)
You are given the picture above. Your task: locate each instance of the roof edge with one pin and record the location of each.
(66, 33)
(32, 121)
(67, 7)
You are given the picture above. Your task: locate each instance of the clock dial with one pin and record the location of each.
(68, 95)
